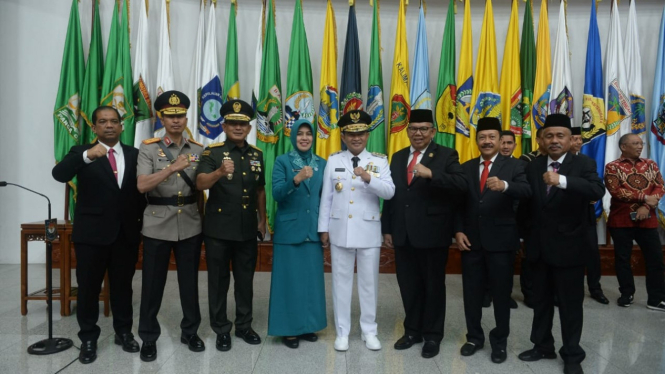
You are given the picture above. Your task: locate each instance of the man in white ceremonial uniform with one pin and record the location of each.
(350, 222)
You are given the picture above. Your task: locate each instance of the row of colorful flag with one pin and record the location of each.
(530, 86)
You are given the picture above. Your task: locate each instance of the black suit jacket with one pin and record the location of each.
(103, 210)
(424, 210)
(560, 219)
(488, 218)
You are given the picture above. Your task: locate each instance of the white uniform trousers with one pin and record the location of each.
(343, 260)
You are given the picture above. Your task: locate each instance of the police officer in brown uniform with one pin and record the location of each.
(171, 221)
(233, 171)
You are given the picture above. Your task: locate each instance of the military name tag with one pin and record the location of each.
(339, 169)
(339, 186)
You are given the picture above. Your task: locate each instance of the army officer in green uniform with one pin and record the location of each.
(233, 171)
(171, 221)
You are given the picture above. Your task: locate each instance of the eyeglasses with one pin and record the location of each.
(423, 130)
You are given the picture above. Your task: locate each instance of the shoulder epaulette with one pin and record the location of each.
(195, 142)
(336, 153)
(213, 145)
(255, 147)
(379, 155)
(151, 140)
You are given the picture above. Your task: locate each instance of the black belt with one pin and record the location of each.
(174, 200)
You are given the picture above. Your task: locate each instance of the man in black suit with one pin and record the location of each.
(418, 223)
(563, 185)
(486, 233)
(107, 228)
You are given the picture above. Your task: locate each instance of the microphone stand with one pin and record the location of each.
(50, 345)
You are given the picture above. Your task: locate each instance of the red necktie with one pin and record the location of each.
(485, 174)
(114, 166)
(412, 165)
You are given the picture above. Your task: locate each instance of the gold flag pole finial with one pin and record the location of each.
(168, 19)
(352, 2)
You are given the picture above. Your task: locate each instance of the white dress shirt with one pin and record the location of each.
(420, 156)
(119, 159)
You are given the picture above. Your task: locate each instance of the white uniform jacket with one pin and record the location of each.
(350, 210)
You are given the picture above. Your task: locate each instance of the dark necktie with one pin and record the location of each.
(555, 168)
(412, 165)
(114, 165)
(485, 174)
(355, 161)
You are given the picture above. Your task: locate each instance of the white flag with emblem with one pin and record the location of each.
(164, 65)
(211, 95)
(561, 92)
(142, 102)
(195, 77)
(634, 74)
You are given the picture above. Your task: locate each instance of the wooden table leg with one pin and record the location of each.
(24, 273)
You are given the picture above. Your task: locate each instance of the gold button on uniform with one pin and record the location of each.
(179, 211)
(178, 175)
(244, 190)
(350, 216)
(242, 158)
(243, 173)
(353, 177)
(353, 188)
(219, 210)
(351, 202)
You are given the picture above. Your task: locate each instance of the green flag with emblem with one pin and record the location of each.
(528, 70)
(269, 115)
(299, 87)
(117, 83)
(67, 103)
(92, 84)
(446, 96)
(375, 108)
(231, 81)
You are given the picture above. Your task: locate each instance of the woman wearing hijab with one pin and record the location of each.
(297, 293)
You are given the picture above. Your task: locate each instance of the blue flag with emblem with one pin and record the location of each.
(593, 106)
(657, 135)
(210, 94)
(351, 87)
(421, 97)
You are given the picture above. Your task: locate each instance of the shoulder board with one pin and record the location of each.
(336, 153)
(195, 142)
(379, 155)
(255, 147)
(151, 140)
(213, 145)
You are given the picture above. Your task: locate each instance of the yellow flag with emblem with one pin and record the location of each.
(400, 109)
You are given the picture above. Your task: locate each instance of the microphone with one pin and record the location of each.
(50, 345)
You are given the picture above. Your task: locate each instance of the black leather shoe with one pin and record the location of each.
(223, 342)
(498, 356)
(535, 355)
(599, 296)
(468, 349)
(310, 337)
(406, 341)
(88, 352)
(127, 341)
(513, 304)
(149, 351)
(572, 369)
(487, 301)
(249, 336)
(194, 343)
(430, 349)
(291, 341)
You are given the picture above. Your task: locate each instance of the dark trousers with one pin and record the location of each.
(495, 269)
(568, 285)
(421, 275)
(652, 252)
(220, 254)
(92, 262)
(526, 276)
(156, 256)
(593, 262)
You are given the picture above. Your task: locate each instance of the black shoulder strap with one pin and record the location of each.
(184, 175)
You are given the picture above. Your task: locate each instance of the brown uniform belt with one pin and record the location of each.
(173, 200)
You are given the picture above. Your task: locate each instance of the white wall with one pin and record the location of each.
(32, 34)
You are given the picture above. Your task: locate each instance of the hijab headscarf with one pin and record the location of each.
(300, 158)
